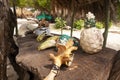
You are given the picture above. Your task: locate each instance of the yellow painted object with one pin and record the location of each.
(40, 37)
(50, 42)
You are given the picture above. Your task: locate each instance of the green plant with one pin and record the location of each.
(110, 24)
(90, 23)
(79, 24)
(99, 25)
(90, 20)
(59, 23)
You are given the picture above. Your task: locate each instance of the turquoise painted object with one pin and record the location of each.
(43, 15)
(64, 38)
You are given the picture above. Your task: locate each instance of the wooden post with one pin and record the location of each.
(72, 16)
(14, 10)
(107, 20)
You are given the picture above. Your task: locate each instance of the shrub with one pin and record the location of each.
(59, 23)
(79, 24)
(99, 25)
(110, 24)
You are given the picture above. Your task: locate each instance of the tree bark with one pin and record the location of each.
(8, 47)
(3, 41)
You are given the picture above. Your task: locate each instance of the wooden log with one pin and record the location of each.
(84, 66)
(115, 71)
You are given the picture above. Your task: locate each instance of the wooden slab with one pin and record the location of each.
(115, 71)
(84, 66)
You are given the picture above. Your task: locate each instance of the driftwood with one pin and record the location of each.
(84, 66)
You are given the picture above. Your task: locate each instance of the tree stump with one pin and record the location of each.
(84, 66)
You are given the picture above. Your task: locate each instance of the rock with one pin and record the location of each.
(91, 40)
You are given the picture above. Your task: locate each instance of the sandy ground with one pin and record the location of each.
(113, 41)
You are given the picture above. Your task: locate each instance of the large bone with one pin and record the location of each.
(63, 56)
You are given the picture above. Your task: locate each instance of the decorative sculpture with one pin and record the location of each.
(50, 42)
(64, 55)
(91, 38)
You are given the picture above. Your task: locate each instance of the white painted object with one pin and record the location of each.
(91, 40)
(24, 28)
(45, 30)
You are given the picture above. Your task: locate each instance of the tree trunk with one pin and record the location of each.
(107, 20)
(3, 41)
(7, 44)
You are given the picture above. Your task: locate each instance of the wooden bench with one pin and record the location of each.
(84, 66)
